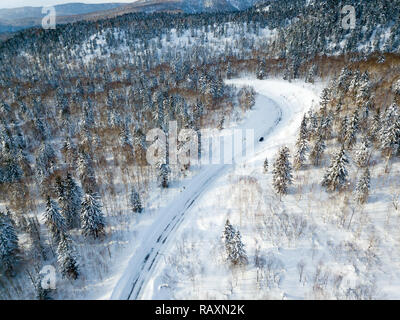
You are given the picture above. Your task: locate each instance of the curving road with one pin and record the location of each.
(267, 114)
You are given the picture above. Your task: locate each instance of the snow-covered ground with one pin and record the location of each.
(195, 250)
(309, 245)
(276, 115)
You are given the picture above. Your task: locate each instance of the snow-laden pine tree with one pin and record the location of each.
(54, 220)
(73, 195)
(336, 175)
(70, 151)
(364, 89)
(362, 154)
(310, 77)
(365, 112)
(390, 139)
(45, 160)
(135, 202)
(325, 98)
(8, 244)
(229, 232)
(282, 172)
(261, 70)
(317, 150)
(126, 139)
(237, 254)
(390, 131)
(229, 70)
(66, 258)
(234, 246)
(92, 219)
(355, 81)
(344, 78)
(62, 200)
(86, 171)
(163, 175)
(326, 126)
(342, 130)
(301, 146)
(375, 128)
(265, 165)
(352, 129)
(362, 188)
(10, 171)
(312, 124)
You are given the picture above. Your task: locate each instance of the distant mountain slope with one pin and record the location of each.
(15, 19)
(62, 10)
(242, 4)
(12, 20)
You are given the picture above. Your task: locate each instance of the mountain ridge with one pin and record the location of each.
(12, 20)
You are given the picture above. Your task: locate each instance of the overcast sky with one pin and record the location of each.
(43, 3)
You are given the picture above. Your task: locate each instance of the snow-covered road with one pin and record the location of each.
(279, 105)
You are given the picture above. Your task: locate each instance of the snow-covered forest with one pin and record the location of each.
(313, 213)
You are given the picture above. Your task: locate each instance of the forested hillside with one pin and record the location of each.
(77, 102)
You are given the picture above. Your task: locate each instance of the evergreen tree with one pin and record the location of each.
(326, 126)
(237, 253)
(10, 171)
(364, 88)
(265, 166)
(73, 195)
(8, 244)
(164, 175)
(261, 70)
(234, 246)
(343, 80)
(62, 200)
(336, 175)
(362, 154)
(66, 258)
(301, 145)
(390, 131)
(362, 188)
(229, 232)
(229, 73)
(46, 160)
(92, 219)
(311, 74)
(390, 139)
(312, 124)
(136, 203)
(351, 133)
(376, 126)
(126, 136)
(325, 98)
(282, 172)
(317, 151)
(86, 171)
(54, 220)
(342, 130)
